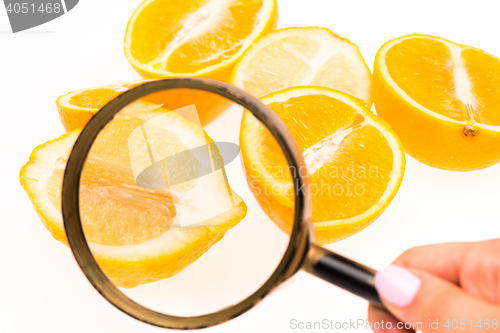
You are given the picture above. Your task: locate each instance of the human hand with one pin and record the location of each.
(441, 283)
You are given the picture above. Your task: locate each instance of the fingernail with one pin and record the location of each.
(397, 285)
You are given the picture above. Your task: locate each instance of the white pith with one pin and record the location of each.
(328, 49)
(463, 84)
(204, 19)
(330, 146)
(330, 46)
(325, 150)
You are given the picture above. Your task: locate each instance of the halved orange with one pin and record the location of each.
(303, 56)
(131, 229)
(354, 160)
(77, 107)
(202, 38)
(442, 99)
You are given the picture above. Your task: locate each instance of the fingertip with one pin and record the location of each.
(397, 285)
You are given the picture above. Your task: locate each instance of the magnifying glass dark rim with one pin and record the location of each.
(302, 230)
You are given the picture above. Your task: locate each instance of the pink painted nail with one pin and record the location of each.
(397, 285)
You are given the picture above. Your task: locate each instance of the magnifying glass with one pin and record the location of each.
(164, 219)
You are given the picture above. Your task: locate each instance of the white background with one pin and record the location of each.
(42, 289)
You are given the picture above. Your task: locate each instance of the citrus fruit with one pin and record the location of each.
(354, 160)
(303, 56)
(77, 107)
(203, 38)
(442, 99)
(132, 230)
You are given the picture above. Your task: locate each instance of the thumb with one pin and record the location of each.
(430, 303)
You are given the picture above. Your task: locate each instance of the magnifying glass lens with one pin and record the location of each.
(169, 207)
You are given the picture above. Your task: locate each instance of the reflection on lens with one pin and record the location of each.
(167, 211)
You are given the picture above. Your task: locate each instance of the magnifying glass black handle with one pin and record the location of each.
(342, 272)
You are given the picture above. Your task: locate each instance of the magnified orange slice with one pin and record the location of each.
(442, 99)
(77, 107)
(132, 230)
(303, 56)
(354, 160)
(202, 38)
